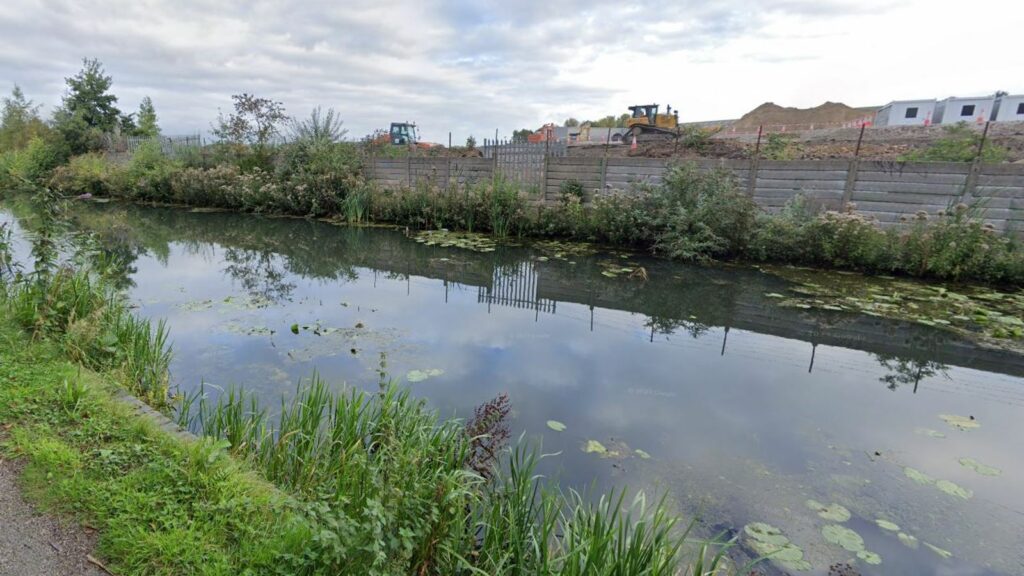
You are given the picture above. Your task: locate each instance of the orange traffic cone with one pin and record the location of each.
(633, 145)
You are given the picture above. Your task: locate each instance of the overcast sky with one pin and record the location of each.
(472, 67)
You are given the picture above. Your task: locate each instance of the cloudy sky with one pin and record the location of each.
(473, 67)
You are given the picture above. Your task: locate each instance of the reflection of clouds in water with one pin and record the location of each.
(752, 433)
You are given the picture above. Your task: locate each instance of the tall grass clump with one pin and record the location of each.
(94, 326)
(387, 487)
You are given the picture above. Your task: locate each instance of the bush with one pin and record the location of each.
(959, 143)
(701, 215)
(85, 174)
(34, 163)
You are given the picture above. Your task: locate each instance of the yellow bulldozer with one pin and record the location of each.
(647, 125)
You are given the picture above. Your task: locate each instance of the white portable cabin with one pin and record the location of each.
(905, 113)
(1009, 108)
(953, 110)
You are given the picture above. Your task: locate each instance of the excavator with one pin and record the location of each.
(646, 125)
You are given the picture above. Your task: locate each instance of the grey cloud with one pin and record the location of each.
(450, 65)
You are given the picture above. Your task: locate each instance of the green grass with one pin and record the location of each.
(161, 505)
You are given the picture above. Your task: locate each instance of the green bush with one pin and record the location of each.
(34, 163)
(959, 143)
(89, 173)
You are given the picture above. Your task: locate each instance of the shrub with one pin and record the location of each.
(959, 143)
(35, 162)
(701, 215)
(87, 173)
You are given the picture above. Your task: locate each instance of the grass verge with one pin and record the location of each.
(161, 505)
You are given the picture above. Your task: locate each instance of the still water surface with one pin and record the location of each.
(746, 409)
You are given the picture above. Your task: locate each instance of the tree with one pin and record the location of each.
(19, 121)
(255, 121)
(521, 135)
(88, 109)
(471, 143)
(146, 119)
(571, 122)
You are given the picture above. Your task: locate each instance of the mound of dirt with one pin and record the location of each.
(770, 113)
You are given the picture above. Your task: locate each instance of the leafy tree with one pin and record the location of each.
(147, 120)
(471, 143)
(88, 109)
(571, 122)
(521, 135)
(255, 121)
(606, 122)
(19, 121)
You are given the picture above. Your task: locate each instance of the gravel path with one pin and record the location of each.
(34, 544)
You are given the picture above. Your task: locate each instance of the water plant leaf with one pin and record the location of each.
(887, 525)
(943, 553)
(954, 489)
(768, 541)
(908, 540)
(295, 328)
(421, 375)
(918, 476)
(960, 422)
(642, 454)
(869, 557)
(980, 468)
(930, 433)
(594, 447)
(842, 536)
(833, 512)
(556, 425)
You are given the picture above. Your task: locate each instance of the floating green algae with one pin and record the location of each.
(768, 541)
(980, 468)
(556, 425)
(594, 447)
(642, 454)
(975, 312)
(833, 512)
(842, 536)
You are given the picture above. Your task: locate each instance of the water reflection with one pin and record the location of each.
(746, 408)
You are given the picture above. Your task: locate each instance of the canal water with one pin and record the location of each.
(691, 382)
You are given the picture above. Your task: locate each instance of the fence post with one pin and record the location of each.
(448, 172)
(971, 185)
(544, 179)
(755, 160)
(851, 172)
(408, 171)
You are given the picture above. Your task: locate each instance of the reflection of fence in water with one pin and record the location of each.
(515, 286)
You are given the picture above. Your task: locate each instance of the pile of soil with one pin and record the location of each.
(771, 114)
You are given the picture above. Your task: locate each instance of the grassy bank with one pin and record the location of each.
(161, 506)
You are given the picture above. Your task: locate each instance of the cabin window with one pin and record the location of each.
(911, 112)
(967, 110)
(1020, 108)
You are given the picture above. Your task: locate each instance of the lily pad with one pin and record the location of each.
(886, 525)
(843, 536)
(980, 468)
(642, 454)
(944, 553)
(421, 375)
(295, 328)
(833, 512)
(907, 540)
(556, 425)
(594, 447)
(768, 541)
(869, 557)
(960, 422)
(954, 489)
